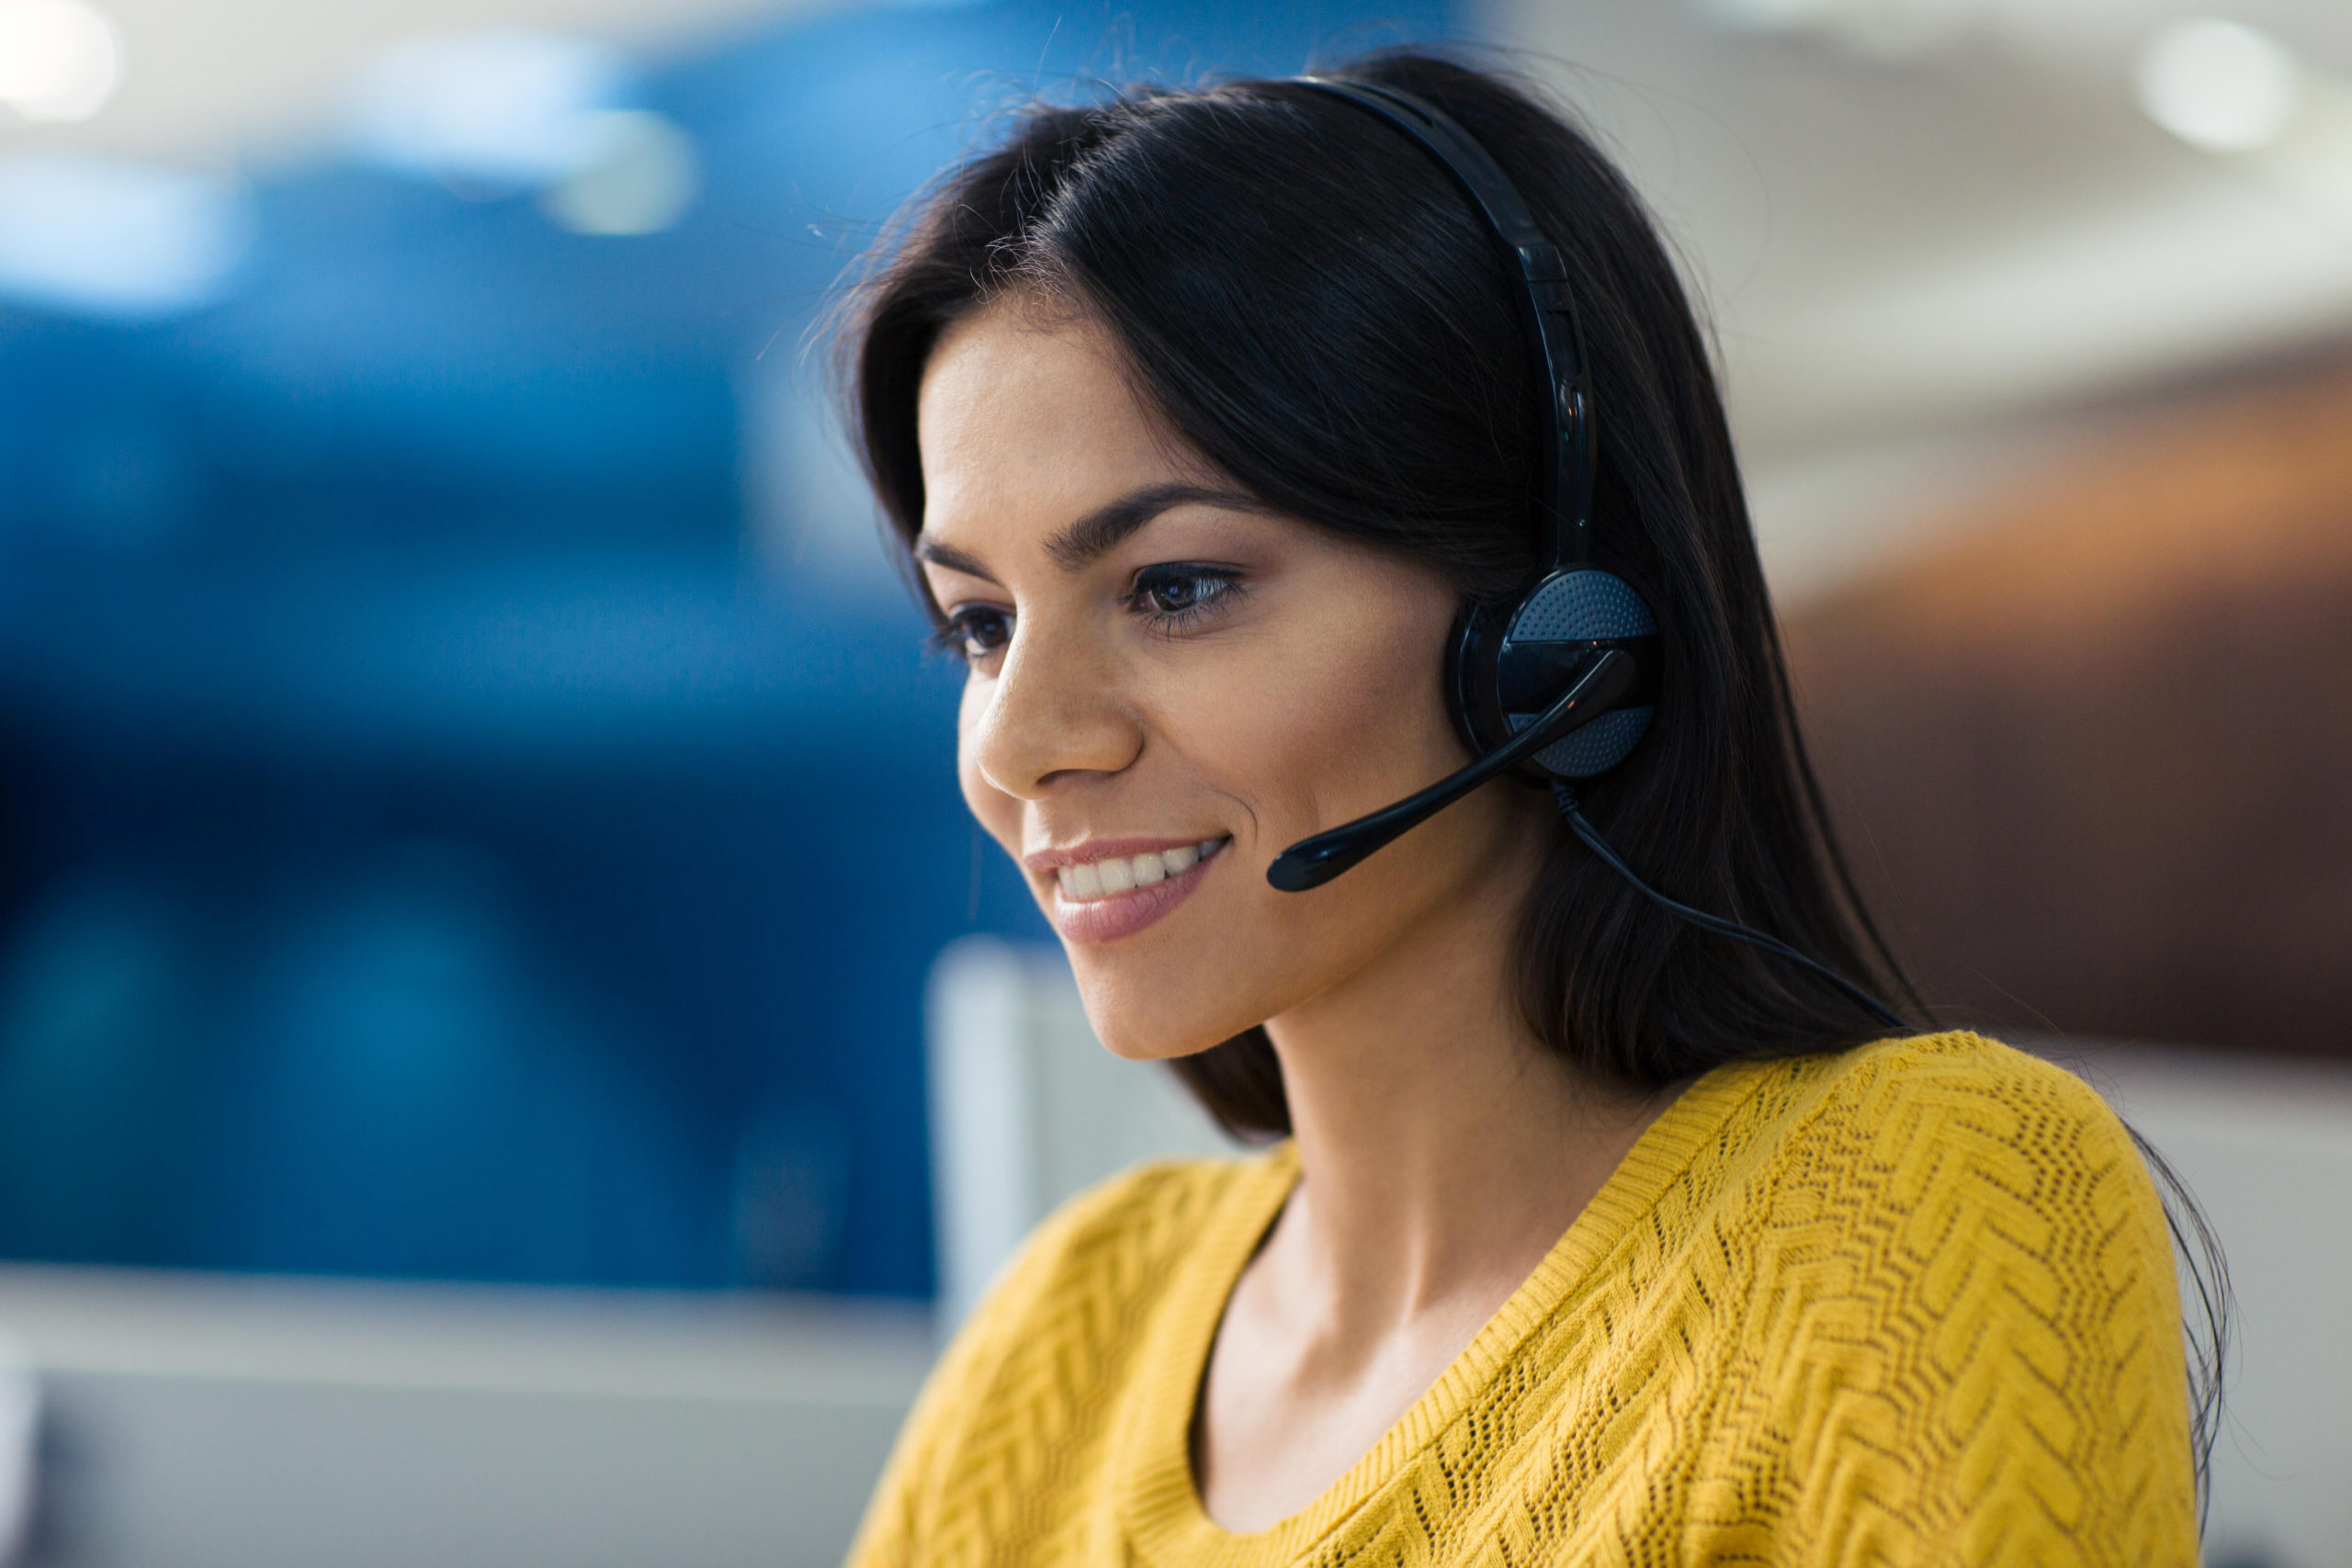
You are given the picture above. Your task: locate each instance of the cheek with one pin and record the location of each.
(1305, 741)
(1292, 740)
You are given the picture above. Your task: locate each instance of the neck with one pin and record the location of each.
(1443, 1148)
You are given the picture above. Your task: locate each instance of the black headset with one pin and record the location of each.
(1563, 682)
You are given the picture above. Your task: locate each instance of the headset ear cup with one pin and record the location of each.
(1543, 637)
(1470, 684)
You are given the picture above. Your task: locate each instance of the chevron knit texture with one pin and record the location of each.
(1910, 1305)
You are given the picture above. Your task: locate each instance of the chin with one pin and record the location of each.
(1130, 1015)
(1156, 1008)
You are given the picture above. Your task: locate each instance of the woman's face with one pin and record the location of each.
(1169, 685)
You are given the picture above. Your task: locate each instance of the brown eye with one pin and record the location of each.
(977, 632)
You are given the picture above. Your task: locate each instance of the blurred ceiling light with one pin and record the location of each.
(502, 106)
(1769, 15)
(640, 180)
(60, 59)
(108, 237)
(2220, 85)
(2314, 159)
(1890, 30)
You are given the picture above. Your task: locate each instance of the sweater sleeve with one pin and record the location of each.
(1968, 1317)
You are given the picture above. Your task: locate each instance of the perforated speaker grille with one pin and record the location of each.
(1580, 603)
(1577, 605)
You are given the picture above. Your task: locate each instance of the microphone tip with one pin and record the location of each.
(1314, 862)
(1295, 872)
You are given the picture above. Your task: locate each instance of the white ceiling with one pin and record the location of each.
(1926, 264)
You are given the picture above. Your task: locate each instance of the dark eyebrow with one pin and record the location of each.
(1106, 527)
(954, 560)
(1102, 530)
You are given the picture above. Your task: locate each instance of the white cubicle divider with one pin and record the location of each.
(217, 1421)
(19, 1430)
(1028, 1109)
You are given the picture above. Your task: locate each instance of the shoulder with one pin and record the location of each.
(1961, 1064)
(1959, 1285)
(1959, 1148)
(1938, 1109)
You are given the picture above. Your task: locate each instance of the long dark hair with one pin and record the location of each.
(1310, 300)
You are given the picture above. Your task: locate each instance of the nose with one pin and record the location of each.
(1052, 715)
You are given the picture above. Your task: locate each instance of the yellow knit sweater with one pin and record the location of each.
(1911, 1304)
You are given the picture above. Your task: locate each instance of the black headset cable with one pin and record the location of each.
(1573, 814)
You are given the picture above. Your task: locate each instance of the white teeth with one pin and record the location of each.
(1098, 879)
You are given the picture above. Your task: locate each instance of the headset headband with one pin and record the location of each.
(1555, 340)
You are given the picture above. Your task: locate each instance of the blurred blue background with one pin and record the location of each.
(473, 801)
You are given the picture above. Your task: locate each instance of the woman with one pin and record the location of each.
(1595, 1236)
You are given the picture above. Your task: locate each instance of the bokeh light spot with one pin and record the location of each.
(60, 59)
(640, 180)
(2220, 85)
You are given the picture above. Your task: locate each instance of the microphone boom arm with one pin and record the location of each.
(1607, 676)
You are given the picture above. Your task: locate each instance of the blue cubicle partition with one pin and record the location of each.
(473, 803)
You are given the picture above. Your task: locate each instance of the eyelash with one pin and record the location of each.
(1223, 584)
(1214, 586)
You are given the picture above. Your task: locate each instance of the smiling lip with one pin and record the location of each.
(1091, 904)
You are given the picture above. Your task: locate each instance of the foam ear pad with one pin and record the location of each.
(1509, 666)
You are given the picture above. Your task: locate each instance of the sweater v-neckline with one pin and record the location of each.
(1157, 1501)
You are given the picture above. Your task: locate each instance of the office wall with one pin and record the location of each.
(2089, 759)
